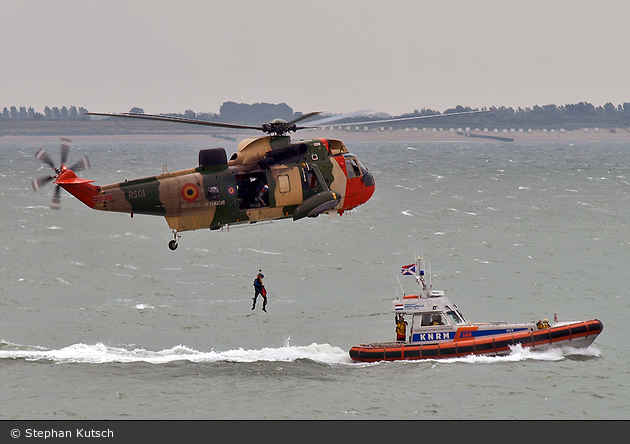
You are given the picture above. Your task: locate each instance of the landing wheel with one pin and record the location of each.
(173, 244)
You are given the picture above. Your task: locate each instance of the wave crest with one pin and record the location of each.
(100, 353)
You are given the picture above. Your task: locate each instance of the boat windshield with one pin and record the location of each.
(454, 317)
(431, 319)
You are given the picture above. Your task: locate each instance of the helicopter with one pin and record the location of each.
(269, 177)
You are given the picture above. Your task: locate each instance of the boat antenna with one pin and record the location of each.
(420, 275)
(401, 288)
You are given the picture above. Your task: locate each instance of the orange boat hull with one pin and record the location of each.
(578, 333)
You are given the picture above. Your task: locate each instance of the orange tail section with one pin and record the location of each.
(82, 189)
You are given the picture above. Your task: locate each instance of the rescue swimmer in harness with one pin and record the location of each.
(259, 289)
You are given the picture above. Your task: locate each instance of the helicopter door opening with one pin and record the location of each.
(253, 191)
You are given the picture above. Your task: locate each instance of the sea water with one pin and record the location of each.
(100, 320)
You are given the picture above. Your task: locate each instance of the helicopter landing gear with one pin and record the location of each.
(174, 243)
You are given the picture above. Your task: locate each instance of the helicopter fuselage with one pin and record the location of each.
(268, 178)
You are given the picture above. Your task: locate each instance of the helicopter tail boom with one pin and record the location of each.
(80, 188)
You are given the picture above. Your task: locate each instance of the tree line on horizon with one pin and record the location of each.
(570, 116)
(582, 114)
(54, 113)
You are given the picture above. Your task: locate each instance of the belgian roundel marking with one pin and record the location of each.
(190, 192)
(231, 190)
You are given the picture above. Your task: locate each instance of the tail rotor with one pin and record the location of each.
(56, 199)
(41, 155)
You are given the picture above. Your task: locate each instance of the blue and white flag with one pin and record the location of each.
(409, 269)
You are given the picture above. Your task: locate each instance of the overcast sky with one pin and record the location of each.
(333, 56)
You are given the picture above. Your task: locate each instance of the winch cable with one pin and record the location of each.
(259, 268)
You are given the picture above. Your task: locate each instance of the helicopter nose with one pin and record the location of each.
(368, 179)
(369, 185)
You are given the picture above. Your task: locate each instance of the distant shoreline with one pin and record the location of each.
(386, 135)
(619, 134)
(409, 135)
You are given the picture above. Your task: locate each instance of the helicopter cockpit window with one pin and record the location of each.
(213, 193)
(352, 167)
(364, 170)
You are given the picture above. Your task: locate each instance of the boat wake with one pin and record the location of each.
(100, 353)
(519, 353)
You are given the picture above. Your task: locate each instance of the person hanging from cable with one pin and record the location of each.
(259, 289)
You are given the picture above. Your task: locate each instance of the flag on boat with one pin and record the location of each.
(409, 269)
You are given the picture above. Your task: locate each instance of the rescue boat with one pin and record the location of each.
(438, 329)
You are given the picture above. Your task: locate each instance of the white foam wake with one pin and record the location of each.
(520, 353)
(322, 353)
(100, 353)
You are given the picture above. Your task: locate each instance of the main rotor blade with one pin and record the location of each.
(41, 155)
(399, 119)
(303, 117)
(65, 147)
(331, 119)
(178, 120)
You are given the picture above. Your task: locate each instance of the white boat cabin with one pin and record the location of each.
(435, 318)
